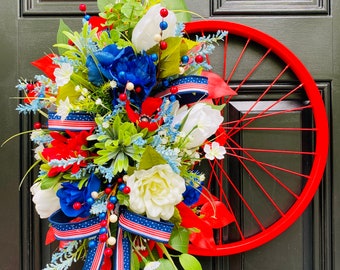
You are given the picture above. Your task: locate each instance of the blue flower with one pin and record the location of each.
(70, 194)
(191, 194)
(123, 66)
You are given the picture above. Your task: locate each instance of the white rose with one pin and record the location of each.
(155, 191)
(198, 123)
(46, 200)
(144, 32)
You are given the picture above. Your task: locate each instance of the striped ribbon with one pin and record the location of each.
(159, 231)
(190, 89)
(66, 230)
(75, 121)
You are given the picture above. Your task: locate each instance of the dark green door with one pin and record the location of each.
(308, 28)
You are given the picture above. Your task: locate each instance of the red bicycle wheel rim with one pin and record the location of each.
(321, 135)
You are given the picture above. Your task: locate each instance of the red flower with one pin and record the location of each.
(98, 22)
(63, 147)
(46, 65)
(148, 117)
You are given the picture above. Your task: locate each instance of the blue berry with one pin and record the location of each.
(121, 187)
(185, 59)
(121, 75)
(172, 98)
(163, 25)
(87, 17)
(92, 244)
(102, 215)
(102, 230)
(154, 57)
(113, 199)
(90, 201)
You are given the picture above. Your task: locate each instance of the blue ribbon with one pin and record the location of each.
(66, 230)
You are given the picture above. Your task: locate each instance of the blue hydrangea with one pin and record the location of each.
(122, 66)
(70, 194)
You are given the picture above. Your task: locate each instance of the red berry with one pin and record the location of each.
(77, 206)
(37, 125)
(70, 42)
(107, 190)
(110, 206)
(123, 97)
(103, 223)
(173, 89)
(199, 59)
(103, 237)
(120, 180)
(108, 252)
(30, 86)
(138, 89)
(163, 45)
(164, 12)
(82, 7)
(126, 190)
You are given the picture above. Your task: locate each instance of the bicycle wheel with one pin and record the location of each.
(277, 138)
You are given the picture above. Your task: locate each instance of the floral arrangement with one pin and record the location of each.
(129, 114)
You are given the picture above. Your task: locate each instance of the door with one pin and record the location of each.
(309, 28)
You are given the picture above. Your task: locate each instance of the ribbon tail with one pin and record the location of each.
(95, 257)
(123, 251)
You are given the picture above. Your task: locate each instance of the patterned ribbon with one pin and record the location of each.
(159, 231)
(66, 230)
(76, 121)
(190, 89)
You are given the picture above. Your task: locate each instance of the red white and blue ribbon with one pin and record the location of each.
(76, 121)
(159, 231)
(66, 230)
(190, 89)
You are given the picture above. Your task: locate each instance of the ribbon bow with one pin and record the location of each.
(159, 231)
(66, 230)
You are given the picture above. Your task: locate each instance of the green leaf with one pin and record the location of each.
(135, 265)
(170, 58)
(61, 38)
(189, 262)
(123, 198)
(102, 3)
(179, 239)
(166, 265)
(132, 9)
(180, 8)
(49, 182)
(68, 91)
(150, 158)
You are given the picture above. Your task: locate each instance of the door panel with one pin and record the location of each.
(309, 28)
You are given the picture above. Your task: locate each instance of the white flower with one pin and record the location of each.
(152, 265)
(38, 150)
(64, 108)
(63, 74)
(46, 200)
(198, 123)
(146, 29)
(113, 84)
(99, 101)
(155, 191)
(215, 150)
